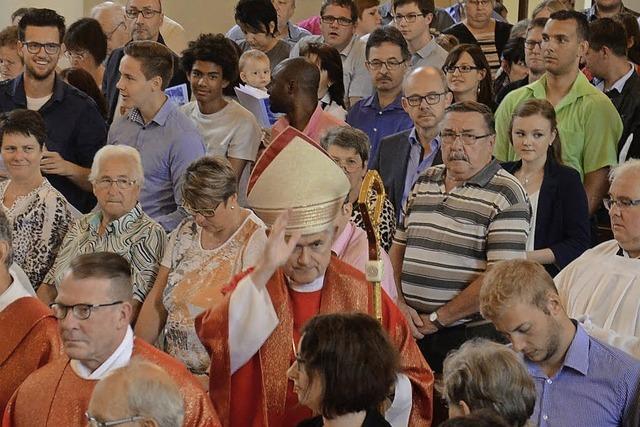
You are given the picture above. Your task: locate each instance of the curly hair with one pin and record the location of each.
(214, 48)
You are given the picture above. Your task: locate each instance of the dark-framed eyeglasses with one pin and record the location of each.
(132, 13)
(299, 360)
(531, 44)
(390, 64)
(328, 19)
(409, 18)
(467, 138)
(207, 213)
(35, 47)
(450, 69)
(430, 99)
(609, 203)
(80, 311)
(93, 422)
(112, 32)
(121, 183)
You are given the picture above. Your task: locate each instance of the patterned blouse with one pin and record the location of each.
(387, 225)
(40, 221)
(135, 236)
(195, 281)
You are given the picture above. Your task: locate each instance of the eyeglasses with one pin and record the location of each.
(391, 64)
(350, 165)
(621, 203)
(77, 55)
(299, 360)
(121, 183)
(430, 98)
(531, 44)
(93, 422)
(112, 32)
(207, 213)
(450, 69)
(328, 19)
(133, 13)
(477, 3)
(409, 19)
(80, 311)
(466, 137)
(35, 47)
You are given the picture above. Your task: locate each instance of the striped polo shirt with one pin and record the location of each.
(451, 237)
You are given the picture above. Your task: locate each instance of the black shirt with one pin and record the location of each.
(75, 129)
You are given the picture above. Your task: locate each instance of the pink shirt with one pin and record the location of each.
(319, 123)
(352, 247)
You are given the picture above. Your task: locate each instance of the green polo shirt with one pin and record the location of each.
(589, 125)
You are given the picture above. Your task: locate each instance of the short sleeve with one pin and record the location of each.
(507, 233)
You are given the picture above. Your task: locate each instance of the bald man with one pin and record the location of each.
(113, 22)
(142, 391)
(94, 310)
(294, 92)
(402, 157)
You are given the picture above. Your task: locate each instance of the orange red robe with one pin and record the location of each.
(259, 394)
(28, 340)
(56, 396)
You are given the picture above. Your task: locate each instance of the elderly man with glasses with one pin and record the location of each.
(460, 218)
(94, 312)
(602, 286)
(118, 225)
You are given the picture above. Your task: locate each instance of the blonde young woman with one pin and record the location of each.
(220, 240)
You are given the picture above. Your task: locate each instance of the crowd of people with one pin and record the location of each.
(190, 236)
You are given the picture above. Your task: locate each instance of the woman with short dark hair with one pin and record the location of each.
(331, 87)
(86, 46)
(344, 370)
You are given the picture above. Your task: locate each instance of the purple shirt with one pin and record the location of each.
(415, 166)
(597, 385)
(377, 122)
(167, 145)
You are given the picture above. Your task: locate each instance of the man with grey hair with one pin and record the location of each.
(94, 313)
(118, 225)
(140, 391)
(460, 218)
(28, 330)
(113, 22)
(401, 158)
(602, 286)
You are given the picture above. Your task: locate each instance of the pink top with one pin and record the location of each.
(352, 247)
(319, 123)
(312, 25)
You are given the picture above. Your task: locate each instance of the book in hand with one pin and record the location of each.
(178, 94)
(256, 101)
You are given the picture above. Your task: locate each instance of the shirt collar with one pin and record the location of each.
(19, 288)
(619, 84)
(347, 49)
(122, 223)
(119, 358)
(482, 178)
(427, 49)
(314, 286)
(577, 357)
(160, 118)
(374, 102)
(20, 96)
(580, 87)
(413, 139)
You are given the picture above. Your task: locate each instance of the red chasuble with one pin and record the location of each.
(259, 393)
(55, 396)
(28, 340)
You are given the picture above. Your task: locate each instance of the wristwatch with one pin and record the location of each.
(433, 318)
